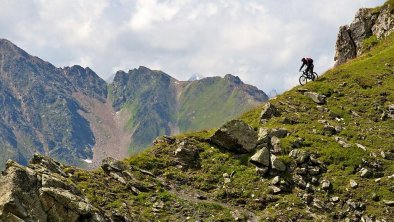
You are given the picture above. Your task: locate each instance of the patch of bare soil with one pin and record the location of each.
(112, 140)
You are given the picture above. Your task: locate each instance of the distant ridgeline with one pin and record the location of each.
(66, 112)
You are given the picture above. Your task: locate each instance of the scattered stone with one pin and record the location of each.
(279, 133)
(188, 155)
(236, 136)
(325, 184)
(110, 164)
(275, 142)
(275, 189)
(261, 157)
(353, 184)
(308, 198)
(389, 202)
(365, 173)
(158, 206)
(277, 164)
(375, 197)
(329, 130)
(275, 180)
(334, 199)
(263, 136)
(262, 171)
(361, 146)
(290, 121)
(300, 156)
(268, 112)
(317, 98)
(342, 142)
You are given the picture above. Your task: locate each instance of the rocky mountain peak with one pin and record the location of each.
(368, 26)
(233, 79)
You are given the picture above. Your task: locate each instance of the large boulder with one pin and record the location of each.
(268, 112)
(38, 193)
(236, 136)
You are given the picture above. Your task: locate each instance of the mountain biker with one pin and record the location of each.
(309, 66)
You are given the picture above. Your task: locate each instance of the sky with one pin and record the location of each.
(261, 41)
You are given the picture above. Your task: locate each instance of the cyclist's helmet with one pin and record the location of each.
(303, 60)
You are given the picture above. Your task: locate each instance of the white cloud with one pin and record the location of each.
(261, 41)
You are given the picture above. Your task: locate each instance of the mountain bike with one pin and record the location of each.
(307, 76)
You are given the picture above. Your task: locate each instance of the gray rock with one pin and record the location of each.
(262, 171)
(325, 184)
(268, 112)
(261, 157)
(24, 198)
(275, 180)
(263, 136)
(329, 130)
(279, 132)
(317, 98)
(365, 173)
(236, 136)
(275, 189)
(188, 155)
(277, 164)
(110, 164)
(300, 156)
(334, 199)
(389, 202)
(353, 184)
(384, 24)
(276, 147)
(342, 142)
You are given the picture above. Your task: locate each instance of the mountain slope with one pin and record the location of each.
(65, 112)
(162, 105)
(39, 113)
(330, 158)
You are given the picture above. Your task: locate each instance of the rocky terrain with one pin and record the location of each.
(368, 26)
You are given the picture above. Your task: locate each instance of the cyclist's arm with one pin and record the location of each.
(303, 64)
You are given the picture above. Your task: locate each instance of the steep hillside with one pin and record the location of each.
(161, 105)
(38, 110)
(321, 152)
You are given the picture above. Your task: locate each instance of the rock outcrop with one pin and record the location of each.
(367, 23)
(41, 192)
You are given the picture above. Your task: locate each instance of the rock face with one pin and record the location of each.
(366, 23)
(236, 136)
(41, 192)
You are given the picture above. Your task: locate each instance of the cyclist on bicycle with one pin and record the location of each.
(309, 66)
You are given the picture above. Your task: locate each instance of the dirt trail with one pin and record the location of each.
(112, 140)
(193, 196)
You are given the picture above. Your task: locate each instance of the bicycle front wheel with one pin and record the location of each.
(314, 76)
(303, 80)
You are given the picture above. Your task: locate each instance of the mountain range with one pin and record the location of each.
(72, 114)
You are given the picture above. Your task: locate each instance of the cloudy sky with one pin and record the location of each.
(262, 41)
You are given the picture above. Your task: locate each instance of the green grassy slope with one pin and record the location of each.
(211, 102)
(358, 94)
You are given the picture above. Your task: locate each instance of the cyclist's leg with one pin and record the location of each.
(307, 71)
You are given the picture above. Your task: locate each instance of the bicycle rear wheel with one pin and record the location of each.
(303, 80)
(314, 76)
